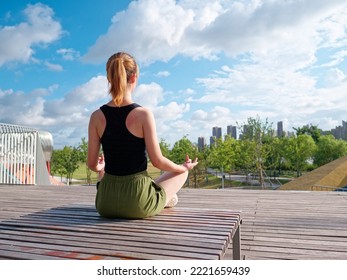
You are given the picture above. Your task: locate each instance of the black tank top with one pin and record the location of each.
(124, 153)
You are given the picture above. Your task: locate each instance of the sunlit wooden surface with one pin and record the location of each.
(276, 224)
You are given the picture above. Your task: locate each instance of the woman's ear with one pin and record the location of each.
(132, 78)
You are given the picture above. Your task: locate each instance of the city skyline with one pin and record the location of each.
(339, 132)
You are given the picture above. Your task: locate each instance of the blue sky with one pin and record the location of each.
(202, 63)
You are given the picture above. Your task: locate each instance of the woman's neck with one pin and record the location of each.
(127, 100)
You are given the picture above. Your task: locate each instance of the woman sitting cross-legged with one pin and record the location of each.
(126, 131)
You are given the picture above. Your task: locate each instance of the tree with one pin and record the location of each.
(299, 150)
(223, 155)
(83, 147)
(311, 130)
(71, 161)
(178, 154)
(257, 135)
(57, 167)
(165, 148)
(181, 148)
(276, 157)
(66, 161)
(329, 149)
(204, 157)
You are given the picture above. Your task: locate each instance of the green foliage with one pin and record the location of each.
(276, 155)
(83, 147)
(223, 154)
(258, 135)
(178, 154)
(329, 149)
(299, 150)
(57, 163)
(182, 148)
(66, 161)
(257, 151)
(165, 148)
(311, 130)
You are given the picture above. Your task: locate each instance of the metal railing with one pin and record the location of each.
(21, 157)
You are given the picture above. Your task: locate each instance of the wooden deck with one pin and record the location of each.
(276, 224)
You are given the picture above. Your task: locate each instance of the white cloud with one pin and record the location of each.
(163, 29)
(54, 67)
(163, 74)
(335, 76)
(68, 54)
(70, 113)
(277, 43)
(149, 95)
(171, 111)
(17, 42)
(170, 123)
(156, 28)
(92, 91)
(188, 92)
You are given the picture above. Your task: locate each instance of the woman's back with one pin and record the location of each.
(124, 152)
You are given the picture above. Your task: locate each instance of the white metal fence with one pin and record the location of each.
(21, 157)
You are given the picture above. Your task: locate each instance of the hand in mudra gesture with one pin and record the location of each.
(189, 164)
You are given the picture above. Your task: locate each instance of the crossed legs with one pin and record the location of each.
(171, 182)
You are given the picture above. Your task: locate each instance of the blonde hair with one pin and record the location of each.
(120, 67)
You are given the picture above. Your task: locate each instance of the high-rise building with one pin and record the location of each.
(340, 132)
(201, 143)
(217, 132)
(280, 132)
(231, 130)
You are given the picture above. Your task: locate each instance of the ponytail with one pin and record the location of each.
(120, 67)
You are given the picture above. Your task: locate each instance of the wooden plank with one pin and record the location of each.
(26, 253)
(108, 246)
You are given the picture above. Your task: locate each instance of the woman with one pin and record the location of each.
(126, 131)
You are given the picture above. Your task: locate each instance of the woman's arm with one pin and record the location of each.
(153, 148)
(94, 143)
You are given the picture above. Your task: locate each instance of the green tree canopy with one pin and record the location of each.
(66, 161)
(83, 147)
(223, 154)
(299, 150)
(258, 135)
(182, 148)
(329, 149)
(311, 130)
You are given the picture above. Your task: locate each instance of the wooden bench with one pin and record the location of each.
(78, 232)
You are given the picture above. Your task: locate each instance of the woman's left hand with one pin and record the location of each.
(189, 164)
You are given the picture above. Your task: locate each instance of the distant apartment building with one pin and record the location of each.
(217, 132)
(280, 131)
(231, 130)
(340, 132)
(201, 143)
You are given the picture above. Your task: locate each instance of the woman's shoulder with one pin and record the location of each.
(97, 112)
(97, 115)
(142, 111)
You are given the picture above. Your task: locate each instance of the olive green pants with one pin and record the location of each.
(133, 196)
